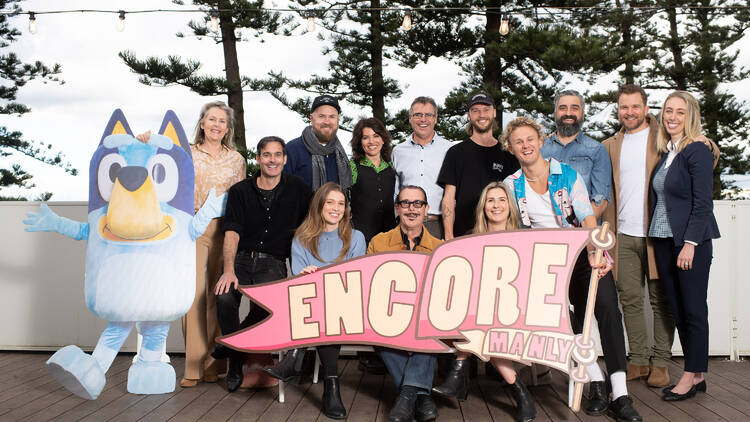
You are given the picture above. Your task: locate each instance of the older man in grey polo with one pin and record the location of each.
(418, 160)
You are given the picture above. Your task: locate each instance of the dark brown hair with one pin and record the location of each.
(358, 153)
(633, 89)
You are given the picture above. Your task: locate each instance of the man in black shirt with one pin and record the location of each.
(470, 165)
(261, 216)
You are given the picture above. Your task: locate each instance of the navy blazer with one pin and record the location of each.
(688, 194)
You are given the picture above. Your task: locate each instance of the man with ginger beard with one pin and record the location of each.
(317, 156)
(470, 165)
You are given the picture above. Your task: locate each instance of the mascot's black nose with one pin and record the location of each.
(131, 177)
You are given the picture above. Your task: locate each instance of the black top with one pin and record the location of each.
(372, 201)
(267, 228)
(417, 240)
(470, 167)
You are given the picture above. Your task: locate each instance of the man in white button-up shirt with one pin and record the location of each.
(417, 161)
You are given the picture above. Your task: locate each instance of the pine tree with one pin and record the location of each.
(362, 40)
(233, 15)
(14, 75)
(521, 70)
(665, 46)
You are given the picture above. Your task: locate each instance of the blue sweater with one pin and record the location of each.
(329, 247)
(299, 162)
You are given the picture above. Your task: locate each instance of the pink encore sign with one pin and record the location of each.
(505, 294)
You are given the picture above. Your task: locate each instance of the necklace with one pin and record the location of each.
(529, 179)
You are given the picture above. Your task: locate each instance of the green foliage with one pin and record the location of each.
(14, 74)
(235, 16)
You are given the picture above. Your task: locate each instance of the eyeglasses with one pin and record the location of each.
(404, 203)
(423, 115)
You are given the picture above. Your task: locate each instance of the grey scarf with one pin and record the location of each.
(319, 153)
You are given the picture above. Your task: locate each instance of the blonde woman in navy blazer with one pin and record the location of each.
(682, 226)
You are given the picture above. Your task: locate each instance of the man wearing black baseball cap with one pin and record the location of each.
(317, 156)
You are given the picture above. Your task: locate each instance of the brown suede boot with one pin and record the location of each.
(636, 371)
(659, 377)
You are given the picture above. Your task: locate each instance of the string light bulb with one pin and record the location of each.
(213, 26)
(310, 23)
(32, 22)
(120, 26)
(504, 25)
(406, 24)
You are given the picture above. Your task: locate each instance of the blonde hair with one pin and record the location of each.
(692, 122)
(312, 227)
(481, 224)
(228, 140)
(515, 124)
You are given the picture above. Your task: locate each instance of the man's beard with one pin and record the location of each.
(568, 129)
(478, 129)
(638, 123)
(324, 139)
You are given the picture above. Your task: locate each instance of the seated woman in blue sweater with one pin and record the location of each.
(324, 237)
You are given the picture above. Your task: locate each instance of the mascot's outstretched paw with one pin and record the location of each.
(151, 378)
(77, 371)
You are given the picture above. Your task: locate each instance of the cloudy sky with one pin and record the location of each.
(72, 116)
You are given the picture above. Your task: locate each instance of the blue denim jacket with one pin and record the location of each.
(588, 158)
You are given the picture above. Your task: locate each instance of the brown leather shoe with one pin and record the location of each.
(659, 377)
(188, 383)
(636, 371)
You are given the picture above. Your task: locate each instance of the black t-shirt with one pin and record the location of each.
(266, 220)
(470, 167)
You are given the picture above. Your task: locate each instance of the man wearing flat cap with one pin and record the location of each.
(317, 156)
(472, 164)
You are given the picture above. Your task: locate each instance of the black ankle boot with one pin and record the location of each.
(456, 383)
(598, 398)
(234, 373)
(332, 405)
(524, 402)
(288, 369)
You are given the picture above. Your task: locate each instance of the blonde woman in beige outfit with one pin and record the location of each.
(217, 166)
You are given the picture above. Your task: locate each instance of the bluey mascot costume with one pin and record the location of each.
(140, 255)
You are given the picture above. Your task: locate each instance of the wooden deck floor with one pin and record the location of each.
(28, 392)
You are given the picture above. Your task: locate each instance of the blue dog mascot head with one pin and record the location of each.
(140, 259)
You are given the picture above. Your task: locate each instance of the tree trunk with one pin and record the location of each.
(678, 74)
(492, 67)
(626, 29)
(376, 62)
(232, 73)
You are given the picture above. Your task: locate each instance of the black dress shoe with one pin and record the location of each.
(234, 373)
(456, 383)
(670, 396)
(425, 408)
(524, 402)
(622, 410)
(332, 405)
(598, 398)
(403, 409)
(700, 387)
(221, 352)
(288, 369)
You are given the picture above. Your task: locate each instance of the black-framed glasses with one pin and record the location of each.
(404, 203)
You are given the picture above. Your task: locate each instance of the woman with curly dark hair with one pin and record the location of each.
(373, 178)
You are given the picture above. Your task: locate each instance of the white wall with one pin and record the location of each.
(42, 305)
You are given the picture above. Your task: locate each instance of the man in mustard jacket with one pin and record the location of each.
(412, 372)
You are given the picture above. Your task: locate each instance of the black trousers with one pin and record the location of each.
(606, 311)
(249, 271)
(686, 292)
(252, 271)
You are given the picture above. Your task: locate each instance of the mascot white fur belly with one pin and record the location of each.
(140, 255)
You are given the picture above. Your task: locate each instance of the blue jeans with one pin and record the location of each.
(407, 368)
